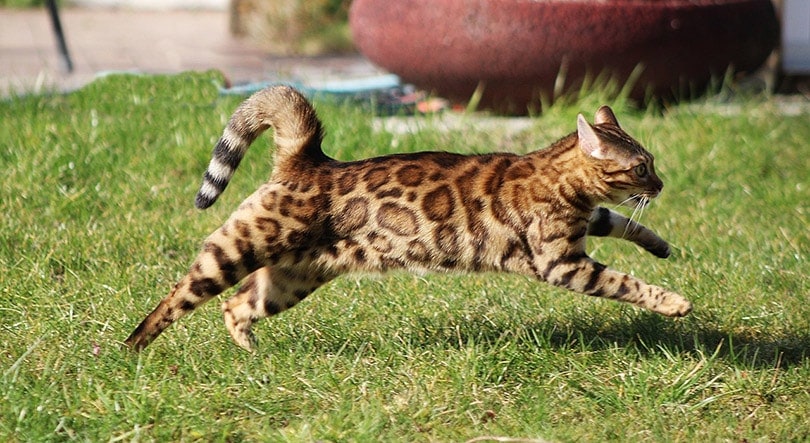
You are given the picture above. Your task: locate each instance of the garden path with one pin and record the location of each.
(103, 40)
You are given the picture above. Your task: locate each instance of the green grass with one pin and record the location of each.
(98, 223)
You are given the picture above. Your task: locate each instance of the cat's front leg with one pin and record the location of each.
(607, 223)
(582, 274)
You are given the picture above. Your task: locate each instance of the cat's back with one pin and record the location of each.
(404, 175)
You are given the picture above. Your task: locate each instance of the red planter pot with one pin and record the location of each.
(517, 48)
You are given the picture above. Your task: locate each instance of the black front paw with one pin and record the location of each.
(660, 251)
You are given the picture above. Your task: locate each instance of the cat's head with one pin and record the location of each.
(623, 165)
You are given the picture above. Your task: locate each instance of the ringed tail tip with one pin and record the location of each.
(203, 201)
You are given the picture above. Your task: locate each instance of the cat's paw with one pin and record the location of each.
(673, 305)
(240, 330)
(244, 338)
(660, 250)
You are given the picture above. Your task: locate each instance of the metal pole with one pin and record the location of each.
(60, 36)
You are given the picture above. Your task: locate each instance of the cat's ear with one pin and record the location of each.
(588, 140)
(605, 115)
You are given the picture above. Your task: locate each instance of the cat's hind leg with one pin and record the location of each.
(223, 262)
(607, 223)
(266, 292)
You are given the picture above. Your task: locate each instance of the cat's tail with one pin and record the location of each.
(297, 132)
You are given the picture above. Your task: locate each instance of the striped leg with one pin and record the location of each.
(266, 292)
(219, 266)
(607, 223)
(582, 274)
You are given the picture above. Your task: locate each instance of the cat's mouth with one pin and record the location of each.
(639, 200)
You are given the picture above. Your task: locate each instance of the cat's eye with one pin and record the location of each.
(640, 170)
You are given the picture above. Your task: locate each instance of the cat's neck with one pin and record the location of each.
(572, 173)
(565, 147)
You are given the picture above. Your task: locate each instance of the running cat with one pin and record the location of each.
(317, 218)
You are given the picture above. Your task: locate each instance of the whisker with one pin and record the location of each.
(638, 210)
(633, 222)
(642, 205)
(629, 223)
(621, 203)
(629, 228)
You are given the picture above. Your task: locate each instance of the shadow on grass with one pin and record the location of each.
(651, 333)
(648, 333)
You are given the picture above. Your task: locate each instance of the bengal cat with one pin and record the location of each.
(317, 218)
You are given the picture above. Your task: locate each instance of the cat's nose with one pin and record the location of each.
(658, 185)
(655, 190)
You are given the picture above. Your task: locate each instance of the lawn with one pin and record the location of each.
(98, 223)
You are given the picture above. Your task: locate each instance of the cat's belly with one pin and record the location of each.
(443, 250)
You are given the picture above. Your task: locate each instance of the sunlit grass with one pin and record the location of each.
(98, 224)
